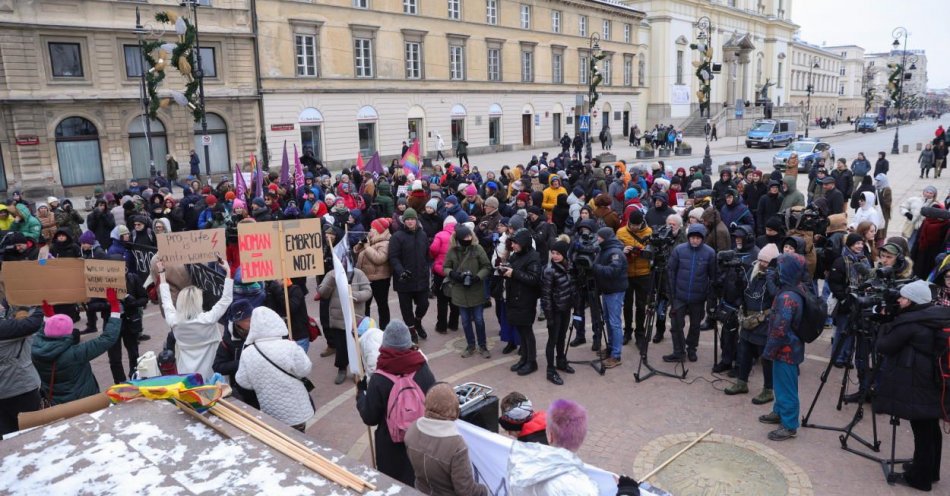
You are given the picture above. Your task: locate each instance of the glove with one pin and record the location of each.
(48, 309)
(909, 216)
(476, 279)
(457, 276)
(628, 487)
(361, 384)
(113, 299)
(405, 276)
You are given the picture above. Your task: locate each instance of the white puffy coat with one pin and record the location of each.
(196, 340)
(370, 342)
(540, 470)
(281, 396)
(869, 212)
(912, 206)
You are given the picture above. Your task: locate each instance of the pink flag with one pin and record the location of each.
(240, 185)
(298, 170)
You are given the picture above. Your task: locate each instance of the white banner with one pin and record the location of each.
(488, 453)
(343, 293)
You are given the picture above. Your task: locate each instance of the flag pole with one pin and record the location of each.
(283, 278)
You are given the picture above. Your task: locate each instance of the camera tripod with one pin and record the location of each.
(588, 295)
(656, 284)
(847, 432)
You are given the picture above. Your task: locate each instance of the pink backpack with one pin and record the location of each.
(407, 403)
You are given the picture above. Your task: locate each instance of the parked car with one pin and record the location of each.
(866, 125)
(768, 133)
(808, 150)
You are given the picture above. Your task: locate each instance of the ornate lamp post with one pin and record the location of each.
(705, 75)
(809, 90)
(593, 79)
(199, 75)
(898, 34)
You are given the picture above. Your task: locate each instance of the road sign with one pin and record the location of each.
(585, 123)
(740, 108)
(206, 140)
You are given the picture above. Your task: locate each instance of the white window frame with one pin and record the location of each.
(605, 32)
(680, 69)
(525, 16)
(494, 63)
(584, 63)
(361, 4)
(527, 64)
(582, 25)
(306, 63)
(363, 58)
(455, 9)
(557, 68)
(491, 12)
(457, 62)
(606, 66)
(627, 30)
(628, 71)
(410, 7)
(556, 21)
(413, 60)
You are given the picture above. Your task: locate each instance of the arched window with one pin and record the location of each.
(138, 147)
(77, 149)
(218, 153)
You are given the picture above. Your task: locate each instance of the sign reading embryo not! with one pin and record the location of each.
(303, 247)
(262, 244)
(188, 247)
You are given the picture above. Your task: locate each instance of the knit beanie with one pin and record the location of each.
(396, 336)
(230, 196)
(449, 220)
(381, 224)
(606, 233)
(852, 239)
(410, 213)
(631, 193)
(561, 247)
(122, 230)
(775, 224)
(516, 222)
(433, 204)
(239, 203)
(462, 231)
(212, 200)
(471, 190)
(442, 403)
(58, 326)
(452, 199)
(87, 238)
(696, 213)
(930, 189)
(416, 185)
(917, 292)
(768, 253)
(491, 201)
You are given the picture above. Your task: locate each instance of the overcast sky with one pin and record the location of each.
(869, 23)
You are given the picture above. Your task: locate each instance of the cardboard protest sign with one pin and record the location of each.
(103, 274)
(185, 247)
(57, 281)
(259, 245)
(303, 247)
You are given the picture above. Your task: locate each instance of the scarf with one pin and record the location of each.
(400, 362)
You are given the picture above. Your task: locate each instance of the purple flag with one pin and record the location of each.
(239, 184)
(285, 168)
(258, 178)
(298, 170)
(375, 165)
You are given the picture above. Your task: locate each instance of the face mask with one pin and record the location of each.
(465, 242)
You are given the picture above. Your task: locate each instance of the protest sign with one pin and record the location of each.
(185, 247)
(303, 247)
(57, 281)
(259, 246)
(141, 259)
(104, 274)
(207, 279)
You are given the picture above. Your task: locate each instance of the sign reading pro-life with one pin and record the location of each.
(188, 247)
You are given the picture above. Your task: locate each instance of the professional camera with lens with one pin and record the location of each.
(728, 258)
(657, 251)
(467, 279)
(809, 219)
(876, 299)
(585, 250)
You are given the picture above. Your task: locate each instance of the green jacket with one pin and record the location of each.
(30, 226)
(74, 378)
(384, 197)
(467, 259)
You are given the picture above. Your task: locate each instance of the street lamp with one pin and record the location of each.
(140, 32)
(900, 33)
(809, 90)
(200, 76)
(593, 47)
(704, 74)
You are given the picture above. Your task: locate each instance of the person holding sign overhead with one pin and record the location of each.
(194, 334)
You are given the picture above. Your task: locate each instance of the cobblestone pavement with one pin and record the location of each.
(626, 417)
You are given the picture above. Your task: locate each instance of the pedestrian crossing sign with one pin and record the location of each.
(585, 123)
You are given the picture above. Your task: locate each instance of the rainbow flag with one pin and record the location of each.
(410, 161)
(187, 388)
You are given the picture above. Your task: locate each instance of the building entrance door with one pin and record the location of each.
(556, 121)
(526, 129)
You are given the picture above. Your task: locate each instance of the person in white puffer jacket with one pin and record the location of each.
(280, 391)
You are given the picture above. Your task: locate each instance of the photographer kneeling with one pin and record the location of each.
(908, 387)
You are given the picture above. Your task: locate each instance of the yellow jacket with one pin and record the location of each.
(637, 266)
(6, 223)
(550, 197)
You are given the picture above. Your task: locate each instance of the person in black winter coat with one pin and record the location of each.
(63, 245)
(656, 216)
(228, 356)
(769, 204)
(754, 190)
(908, 386)
(542, 232)
(101, 222)
(408, 257)
(522, 290)
(833, 196)
(132, 306)
(882, 166)
(397, 357)
(557, 298)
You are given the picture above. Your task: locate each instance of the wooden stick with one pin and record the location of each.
(301, 455)
(191, 411)
(359, 356)
(680, 452)
(283, 278)
(242, 413)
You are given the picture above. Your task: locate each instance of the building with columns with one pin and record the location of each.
(821, 69)
(342, 77)
(853, 79)
(750, 38)
(71, 117)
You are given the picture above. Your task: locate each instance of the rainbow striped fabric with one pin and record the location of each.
(189, 389)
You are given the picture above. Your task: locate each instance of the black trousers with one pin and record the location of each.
(341, 360)
(463, 157)
(129, 338)
(440, 156)
(636, 297)
(695, 313)
(729, 340)
(529, 345)
(11, 407)
(91, 315)
(557, 334)
(928, 443)
(381, 296)
(418, 299)
(447, 314)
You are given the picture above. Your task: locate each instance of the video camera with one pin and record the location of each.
(876, 298)
(728, 258)
(585, 250)
(657, 251)
(809, 219)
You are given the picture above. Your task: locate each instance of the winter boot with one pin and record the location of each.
(520, 363)
(554, 378)
(421, 330)
(660, 329)
(413, 335)
(528, 368)
(740, 387)
(563, 366)
(764, 397)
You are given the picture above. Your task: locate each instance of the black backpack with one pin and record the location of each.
(814, 314)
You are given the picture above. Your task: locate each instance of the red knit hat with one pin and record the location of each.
(211, 200)
(230, 196)
(381, 224)
(525, 197)
(272, 187)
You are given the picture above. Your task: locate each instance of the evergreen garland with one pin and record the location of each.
(183, 48)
